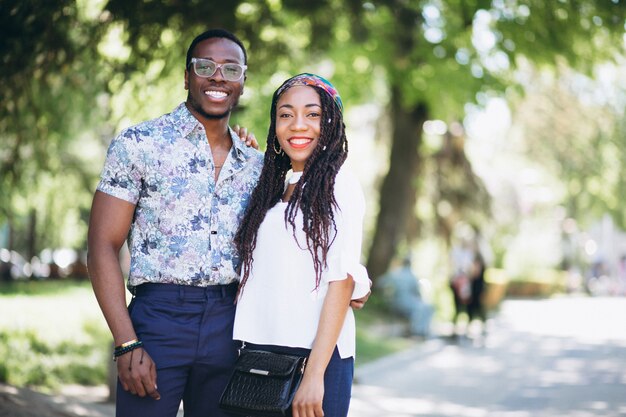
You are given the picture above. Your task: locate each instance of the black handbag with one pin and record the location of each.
(263, 383)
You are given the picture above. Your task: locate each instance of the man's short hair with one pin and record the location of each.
(215, 33)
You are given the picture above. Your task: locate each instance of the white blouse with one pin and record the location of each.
(279, 304)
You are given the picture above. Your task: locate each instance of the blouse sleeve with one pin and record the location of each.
(344, 255)
(120, 176)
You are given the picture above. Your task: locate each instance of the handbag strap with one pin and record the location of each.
(243, 346)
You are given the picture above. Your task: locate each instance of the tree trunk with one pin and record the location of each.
(31, 244)
(399, 189)
(11, 242)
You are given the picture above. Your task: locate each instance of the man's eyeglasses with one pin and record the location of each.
(206, 68)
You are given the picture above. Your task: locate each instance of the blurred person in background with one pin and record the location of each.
(462, 259)
(405, 297)
(475, 305)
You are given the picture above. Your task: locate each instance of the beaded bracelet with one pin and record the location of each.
(125, 348)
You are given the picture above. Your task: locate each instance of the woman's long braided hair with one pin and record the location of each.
(316, 200)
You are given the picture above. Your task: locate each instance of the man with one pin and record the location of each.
(176, 187)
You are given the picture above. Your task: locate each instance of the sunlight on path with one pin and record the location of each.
(594, 320)
(540, 358)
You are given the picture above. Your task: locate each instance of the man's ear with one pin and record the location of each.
(186, 79)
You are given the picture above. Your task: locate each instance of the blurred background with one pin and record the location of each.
(490, 127)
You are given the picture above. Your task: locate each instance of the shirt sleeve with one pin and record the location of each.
(121, 175)
(344, 255)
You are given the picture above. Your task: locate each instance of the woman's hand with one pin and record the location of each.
(359, 303)
(246, 137)
(308, 399)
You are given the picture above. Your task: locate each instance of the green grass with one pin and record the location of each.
(373, 341)
(51, 333)
(31, 361)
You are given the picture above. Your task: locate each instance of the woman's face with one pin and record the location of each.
(298, 118)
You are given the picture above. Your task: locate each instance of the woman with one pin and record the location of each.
(300, 243)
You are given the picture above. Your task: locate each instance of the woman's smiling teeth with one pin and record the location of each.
(215, 94)
(300, 142)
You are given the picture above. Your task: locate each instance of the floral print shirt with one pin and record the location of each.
(185, 221)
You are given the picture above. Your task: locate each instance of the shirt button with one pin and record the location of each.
(214, 268)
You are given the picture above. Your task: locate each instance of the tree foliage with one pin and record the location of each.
(578, 136)
(50, 83)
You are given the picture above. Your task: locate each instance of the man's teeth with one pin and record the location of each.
(216, 94)
(300, 141)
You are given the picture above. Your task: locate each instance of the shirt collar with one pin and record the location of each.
(186, 123)
(239, 148)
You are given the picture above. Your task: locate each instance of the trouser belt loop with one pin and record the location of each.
(181, 293)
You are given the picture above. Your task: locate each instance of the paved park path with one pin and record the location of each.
(558, 357)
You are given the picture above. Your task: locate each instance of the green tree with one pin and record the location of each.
(50, 82)
(578, 136)
(440, 54)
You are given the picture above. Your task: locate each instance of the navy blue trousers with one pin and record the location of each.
(188, 333)
(337, 378)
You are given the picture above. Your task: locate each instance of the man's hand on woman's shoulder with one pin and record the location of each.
(246, 137)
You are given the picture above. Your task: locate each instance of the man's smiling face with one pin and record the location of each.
(214, 97)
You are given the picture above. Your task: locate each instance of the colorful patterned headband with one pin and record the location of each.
(314, 81)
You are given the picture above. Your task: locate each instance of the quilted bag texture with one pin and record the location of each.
(263, 384)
